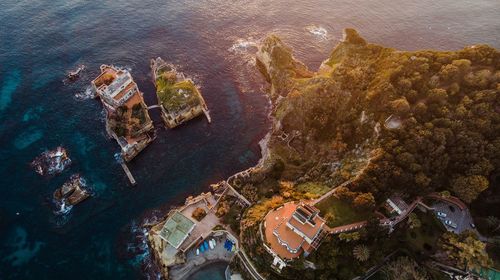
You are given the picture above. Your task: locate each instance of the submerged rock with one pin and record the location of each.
(72, 192)
(51, 162)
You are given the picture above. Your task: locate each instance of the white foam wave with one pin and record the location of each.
(62, 208)
(318, 31)
(242, 45)
(88, 93)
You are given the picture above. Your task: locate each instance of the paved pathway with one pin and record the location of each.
(237, 193)
(347, 228)
(249, 266)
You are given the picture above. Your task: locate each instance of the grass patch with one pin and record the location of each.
(313, 188)
(343, 212)
(176, 96)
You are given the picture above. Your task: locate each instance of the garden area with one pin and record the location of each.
(425, 237)
(174, 96)
(338, 212)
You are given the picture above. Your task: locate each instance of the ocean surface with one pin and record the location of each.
(212, 41)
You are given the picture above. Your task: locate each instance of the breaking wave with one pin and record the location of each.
(318, 31)
(88, 93)
(242, 45)
(138, 247)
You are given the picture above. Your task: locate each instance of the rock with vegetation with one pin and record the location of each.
(178, 96)
(442, 109)
(381, 120)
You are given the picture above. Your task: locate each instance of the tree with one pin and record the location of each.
(361, 252)
(329, 217)
(493, 223)
(348, 237)
(468, 188)
(400, 106)
(364, 200)
(199, 214)
(465, 250)
(414, 221)
(344, 193)
(445, 194)
(404, 268)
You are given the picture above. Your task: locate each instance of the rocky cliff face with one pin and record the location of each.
(428, 120)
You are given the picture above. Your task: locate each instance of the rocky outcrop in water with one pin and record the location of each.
(51, 162)
(72, 192)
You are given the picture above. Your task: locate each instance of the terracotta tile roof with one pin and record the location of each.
(124, 91)
(278, 229)
(273, 220)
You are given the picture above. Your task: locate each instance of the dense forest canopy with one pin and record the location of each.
(429, 120)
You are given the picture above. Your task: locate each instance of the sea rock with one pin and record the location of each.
(72, 192)
(51, 162)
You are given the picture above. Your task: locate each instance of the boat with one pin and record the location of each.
(73, 75)
(205, 245)
(197, 251)
(211, 244)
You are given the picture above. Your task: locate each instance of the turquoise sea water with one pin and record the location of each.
(212, 41)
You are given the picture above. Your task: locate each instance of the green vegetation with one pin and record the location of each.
(139, 112)
(343, 212)
(198, 214)
(230, 212)
(425, 237)
(174, 95)
(465, 250)
(129, 123)
(313, 188)
(361, 252)
(404, 268)
(218, 227)
(385, 121)
(446, 136)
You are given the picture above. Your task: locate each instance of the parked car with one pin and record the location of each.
(441, 214)
(197, 251)
(472, 225)
(450, 223)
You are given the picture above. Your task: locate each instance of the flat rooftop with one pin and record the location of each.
(176, 229)
(276, 221)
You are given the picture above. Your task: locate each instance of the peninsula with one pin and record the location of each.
(178, 97)
(370, 168)
(127, 117)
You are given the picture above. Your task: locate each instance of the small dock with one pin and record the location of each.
(129, 174)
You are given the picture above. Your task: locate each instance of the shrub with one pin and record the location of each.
(199, 214)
